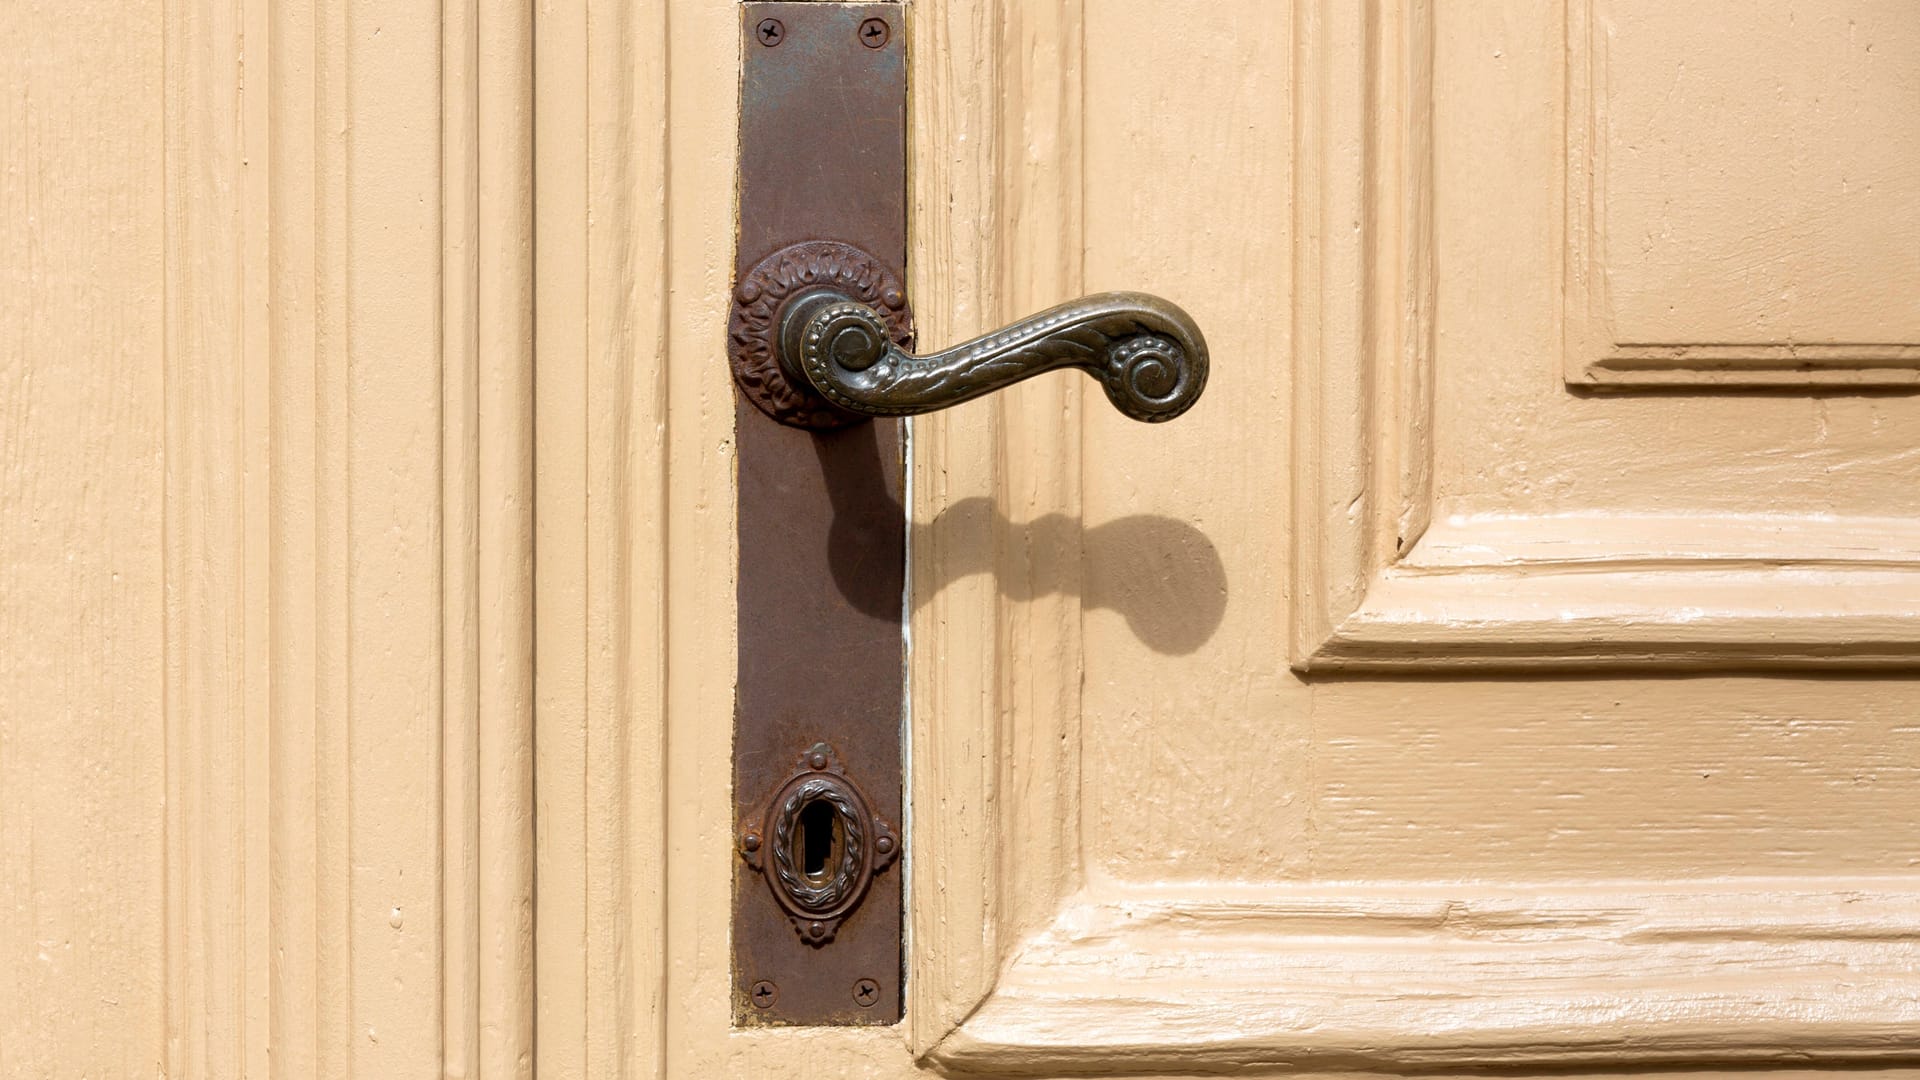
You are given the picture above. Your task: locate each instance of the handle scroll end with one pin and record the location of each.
(1160, 371)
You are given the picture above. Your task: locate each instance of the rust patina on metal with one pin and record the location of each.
(821, 529)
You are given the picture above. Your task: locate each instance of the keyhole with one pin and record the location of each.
(820, 841)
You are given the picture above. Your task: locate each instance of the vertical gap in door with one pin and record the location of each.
(906, 682)
(907, 849)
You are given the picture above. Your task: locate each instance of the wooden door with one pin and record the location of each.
(1507, 666)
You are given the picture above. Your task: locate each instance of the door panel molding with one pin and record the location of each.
(1423, 976)
(1024, 964)
(1373, 588)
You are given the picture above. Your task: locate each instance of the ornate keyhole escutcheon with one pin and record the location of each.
(818, 843)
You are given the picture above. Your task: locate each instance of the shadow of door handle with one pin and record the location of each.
(835, 329)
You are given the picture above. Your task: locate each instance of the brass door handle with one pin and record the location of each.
(829, 327)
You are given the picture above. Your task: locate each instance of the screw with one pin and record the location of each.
(817, 761)
(771, 32)
(874, 33)
(866, 992)
(882, 845)
(765, 994)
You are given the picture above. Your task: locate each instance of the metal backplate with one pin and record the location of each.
(822, 530)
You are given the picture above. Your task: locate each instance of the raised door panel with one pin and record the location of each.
(1536, 206)
(1740, 187)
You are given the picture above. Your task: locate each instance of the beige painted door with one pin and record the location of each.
(1509, 665)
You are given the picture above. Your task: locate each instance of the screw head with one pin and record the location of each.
(751, 842)
(817, 760)
(770, 32)
(866, 993)
(764, 994)
(874, 33)
(883, 845)
(817, 929)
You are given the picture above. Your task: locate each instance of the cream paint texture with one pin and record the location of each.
(297, 505)
(82, 743)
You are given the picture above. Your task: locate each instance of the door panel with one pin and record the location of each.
(1739, 185)
(1538, 526)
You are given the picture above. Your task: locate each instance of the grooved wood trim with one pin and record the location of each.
(635, 163)
(995, 668)
(348, 539)
(1375, 586)
(487, 458)
(601, 159)
(219, 917)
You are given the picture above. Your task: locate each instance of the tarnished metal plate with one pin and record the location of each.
(821, 526)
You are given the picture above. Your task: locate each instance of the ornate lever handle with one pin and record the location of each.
(836, 333)
(1147, 354)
